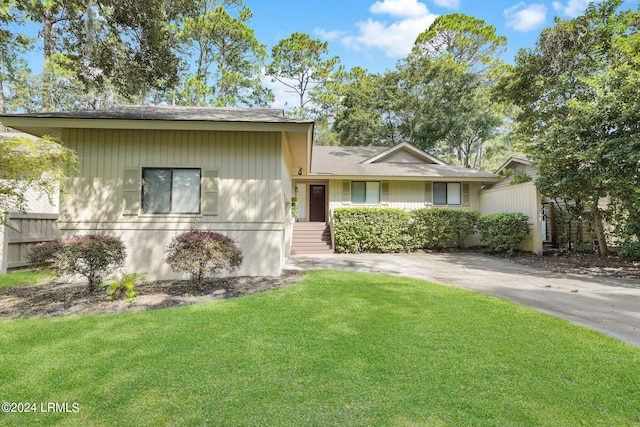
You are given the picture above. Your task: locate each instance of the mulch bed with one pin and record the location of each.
(62, 299)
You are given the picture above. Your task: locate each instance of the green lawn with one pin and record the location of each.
(19, 278)
(338, 349)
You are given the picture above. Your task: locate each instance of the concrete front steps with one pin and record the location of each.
(311, 238)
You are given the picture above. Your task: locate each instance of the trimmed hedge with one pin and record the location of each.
(382, 230)
(378, 230)
(441, 228)
(503, 232)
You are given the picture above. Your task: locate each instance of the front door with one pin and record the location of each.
(317, 203)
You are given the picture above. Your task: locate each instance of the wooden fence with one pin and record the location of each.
(24, 231)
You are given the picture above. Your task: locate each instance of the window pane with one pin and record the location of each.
(453, 193)
(439, 193)
(156, 191)
(358, 194)
(186, 191)
(373, 192)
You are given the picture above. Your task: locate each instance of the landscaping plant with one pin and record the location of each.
(90, 256)
(441, 228)
(503, 232)
(371, 230)
(201, 253)
(126, 283)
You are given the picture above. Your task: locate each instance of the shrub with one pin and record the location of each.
(201, 253)
(126, 283)
(503, 232)
(89, 255)
(371, 230)
(441, 228)
(44, 255)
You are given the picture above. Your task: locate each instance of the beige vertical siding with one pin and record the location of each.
(408, 195)
(517, 198)
(251, 200)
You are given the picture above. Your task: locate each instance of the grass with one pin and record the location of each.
(20, 278)
(339, 348)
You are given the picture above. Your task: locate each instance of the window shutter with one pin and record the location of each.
(210, 192)
(131, 199)
(384, 192)
(428, 193)
(466, 194)
(346, 192)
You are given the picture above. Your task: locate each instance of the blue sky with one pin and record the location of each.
(374, 34)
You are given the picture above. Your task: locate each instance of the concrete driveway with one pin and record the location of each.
(608, 305)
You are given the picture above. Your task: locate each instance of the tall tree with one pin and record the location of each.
(470, 119)
(301, 64)
(362, 118)
(465, 40)
(12, 44)
(93, 44)
(577, 93)
(228, 57)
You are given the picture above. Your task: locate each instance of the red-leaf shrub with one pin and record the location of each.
(90, 255)
(201, 253)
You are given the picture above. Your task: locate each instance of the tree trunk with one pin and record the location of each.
(48, 74)
(3, 108)
(598, 227)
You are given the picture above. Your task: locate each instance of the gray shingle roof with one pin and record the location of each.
(256, 115)
(348, 161)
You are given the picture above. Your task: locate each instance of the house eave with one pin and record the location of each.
(320, 176)
(39, 126)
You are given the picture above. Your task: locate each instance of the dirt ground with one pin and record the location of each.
(62, 299)
(580, 263)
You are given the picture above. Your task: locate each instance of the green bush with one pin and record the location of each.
(503, 232)
(201, 253)
(126, 283)
(90, 255)
(376, 230)
(442, 228)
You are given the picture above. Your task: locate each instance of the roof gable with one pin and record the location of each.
(404, 153)
(357, 161)
(513, 161)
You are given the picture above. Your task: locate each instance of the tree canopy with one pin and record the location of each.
(28, 164)
(578, 117)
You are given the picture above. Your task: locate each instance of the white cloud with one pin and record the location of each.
(395, 37)
(572, 8)
(449, 4)
(526, 18)
(285, 98)
(399, 8)
(328, 35)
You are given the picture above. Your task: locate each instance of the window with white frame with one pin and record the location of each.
(447, 193)
(365, 192)
(171, 191)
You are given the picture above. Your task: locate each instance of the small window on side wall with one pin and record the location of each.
(170, 191)
(447, 193)
(365, 192)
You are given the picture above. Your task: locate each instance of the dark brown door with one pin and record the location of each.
(317, 203)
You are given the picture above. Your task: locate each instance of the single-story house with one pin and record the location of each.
(148, 173)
